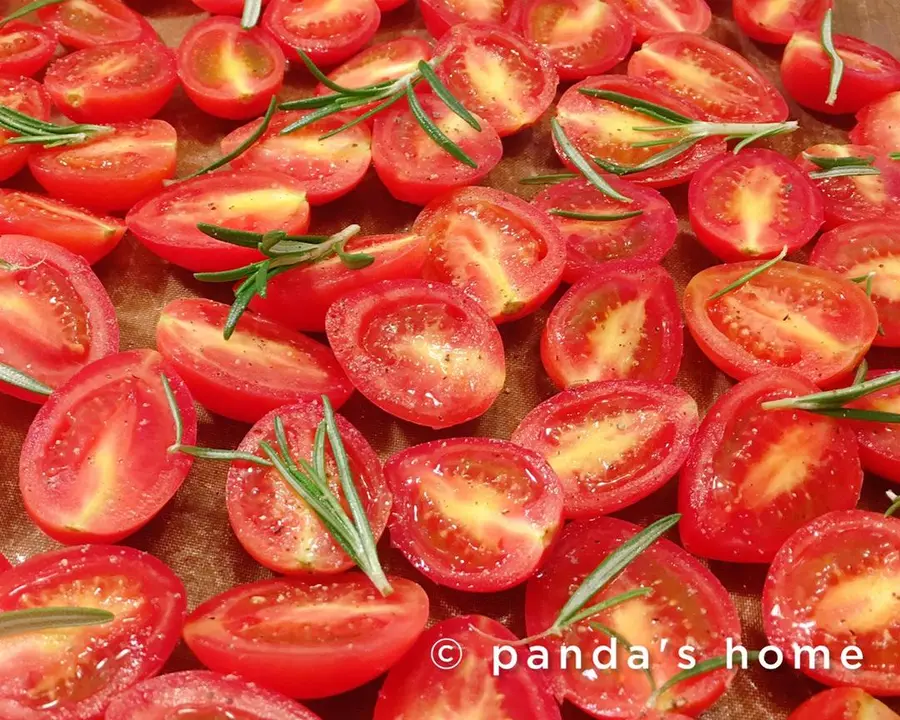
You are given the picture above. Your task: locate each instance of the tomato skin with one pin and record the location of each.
(879, 449)
(843, 704)
(531, 494)
(131, 649)
(745, 517)
(253, 52)
(690, 16)
(806, 73)
(50, 484)
(876, 124)
(223, 7)
(414, 688)
(113, 22)
(27, 96)
(732, 194)
(25, 49)
(778, 27)
(388, 5)
(441, 15)
(366, 647)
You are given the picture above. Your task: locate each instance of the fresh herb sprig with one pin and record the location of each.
(594, 217)
(833, 403)
(705, 667)
(16, 622)
(837, 62)
(19, 379)
(895, 504)
(836, 167)
(28, 9)
(573, 154)
(755, 272)
(251, 13)
(31, 131)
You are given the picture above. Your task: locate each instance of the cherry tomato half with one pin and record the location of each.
(223, 7)
(843, 704)
(308, 639)
(254, 201)
(776, 21)
(95, 465)
(441, 15)
(56, 317)
(260, 368)
(27, 96)
(791, 316)
(753, 204)
(500, 77)
(877, 124)
(386, 5)
(25, 49)
(611, 444)
(656, 17)
(86, 23)
(879, 443)
(715, 78)
(74, 673)
(230, 72)
(499, 250)
(754, 476)
(421, 351)
(688, 606)
(835, 584)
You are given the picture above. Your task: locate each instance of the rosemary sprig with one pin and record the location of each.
(574, 156)
(31, 131)
(895, 504)
(624, 642)
(702, 668)
(833, 403)
(250, 16)
(860, 377)
(837, 62)
(16, 622)
(835, 167)
(744, 279)
(17, 378)
(594, 217)
(552, 179)
(28, 9)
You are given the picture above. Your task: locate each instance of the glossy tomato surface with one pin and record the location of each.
(441, 15)
(843, 704)
(87, 23)
(656, 17)
(26, 96)
(379, 63)
(879, 443)
(95, 465)
(835, 584)
(308, 639)
(611, 444)
(776, 21)
(755, 476)
(223, 7)
(74, 673)
(25, 49)
(877, 124)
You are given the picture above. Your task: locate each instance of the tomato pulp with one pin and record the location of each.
(879, 443)
(877, 126)
(25, 49)
(441, 15)
(86, 23)
(843, 704)
(776, 21)
(656, 17)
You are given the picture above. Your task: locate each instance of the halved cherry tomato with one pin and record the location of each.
(497, 75)
(273, 523)
(421, 351)
(858, 197)
(414, 168)
(417, 688)
(27, 96)
(776, 21)
(754, 476)
(611, 444)
(715, 78)
(499, 250)
(308, 639)
(791, 316)
(4, 564)
(260, 368)
(582, 37)
(230, 72)
(879, 443)
(113, 171)
(834, 584)
(74, 673)
(877, 124)
(621, 322)
(56, 316)
(656, 17)
(754, 204)
(605, 129)
(843, 704)
(441, 15)
(198, 694)
(870, 73)
(301, 298)
(591, 243)
(95, 465)
(327, 169)
(329, 32)
(254, 201)
(223, 7)
(473, 514)
(80, 231)
(25, 49)
(687, 606)
(85, 23)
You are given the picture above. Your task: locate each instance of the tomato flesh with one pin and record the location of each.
(843, 704)
(776, 21)
(877, 125)
(879, 443)
(29, 97)
(656, 17)
(441, 15)
(25, 49)
(87, 23)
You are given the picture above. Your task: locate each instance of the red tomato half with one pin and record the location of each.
(753, 204)
(25, 49)
(414, 168)
(877, 124)
(223, 7)
(834, 584)
(74, 673)
(329, 32)
(499, 250)
(421, 351)
(843, 704)
(473, 514)
(273, 523)
(870, 73)
(604, 129)
(254, 201)
(879, 444)
(73, 228)
(199, 694)
(497, 75)
(113, 83)
(582, 37)
(416, 688)
(327, 169)
(86, 23)
(656, 17)
(112, 172)
(95, 465)
(754, 476)
(791, 316)
(715, 78)
(308, 639)
(441, 15)
(27, 96)
(230, 72)
(260, 368)
(386, 5)
(56, 316)
(687, 606)
(776, 21)
(612, 443)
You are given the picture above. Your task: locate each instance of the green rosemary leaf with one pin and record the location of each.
(869, 280)
(17, 378)
(608, 604)
(28, 9)
(319, 451)
(625, 643)
(644, 106)
(839, 172)
(391, 100)
(271, 239)
(887, 418)
(547, 179)
(250, 16)
(242, 238)
(594, 217)
(584, 167)
(829, 163)
(749, 140)
(434, 132)
(702, 668)
(743, 280)
(309, 103)
(895, 504)
(331, 84)
(894, 156)
(261, 279)
(354, 261)
(174, 410)
(226, 455)
(227, 276)
(861, 373)
(15, 622)
(238, 308)
(654, 143)
(837, 62)
(653, 161)
(836, 399)
(443, 92)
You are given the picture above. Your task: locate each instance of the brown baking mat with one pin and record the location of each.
(193, 535)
